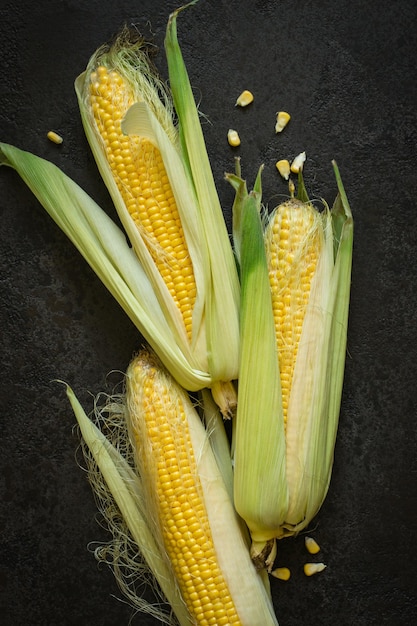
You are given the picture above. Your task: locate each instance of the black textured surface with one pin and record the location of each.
(346, 72)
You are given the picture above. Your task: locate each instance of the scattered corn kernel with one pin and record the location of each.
(312, 545)
(313, 568)
(282, 120)
(298, 163)
(283, 167)
(54, 137)
(283, 573)
(233, 138)
(245, 98)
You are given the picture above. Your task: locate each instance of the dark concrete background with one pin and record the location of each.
(346, 72)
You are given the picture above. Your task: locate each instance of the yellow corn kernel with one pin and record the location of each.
(282, 120)
(233, 138)
(293, 246)
(166, 461)
(313, 568)
(54, 137)
(141, 178)
(312, 545)
(283, 167)
(282, 573)
(245, 98)
(298, 163)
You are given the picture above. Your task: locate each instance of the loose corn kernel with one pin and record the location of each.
(283, 167)
(298, 163)
(245, 98)
(282, 573)
(54, 137)
(282, 120)
(313, 568)
(233, 138)
(312, 545)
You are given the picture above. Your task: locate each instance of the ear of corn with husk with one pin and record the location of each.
(176, 505)
(162, 186)
(295, 288)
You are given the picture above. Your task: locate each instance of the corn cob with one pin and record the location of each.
(294, 240)
(305, 267)
(257, 463)
(138, 169)
(179, 286)
(193, 516)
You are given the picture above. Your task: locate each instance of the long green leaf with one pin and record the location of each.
(259, 442)
(127, 493)
(105, 248)
(223, 289)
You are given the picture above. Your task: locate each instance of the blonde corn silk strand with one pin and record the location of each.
(121, 553)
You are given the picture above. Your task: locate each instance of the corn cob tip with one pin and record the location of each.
(311, 545)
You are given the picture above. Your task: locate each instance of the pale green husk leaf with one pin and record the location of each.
(127, 492)
(223, 290)
(258, 438)
(105, 248)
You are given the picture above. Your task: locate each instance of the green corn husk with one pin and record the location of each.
(119, 489)
(282, 473)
